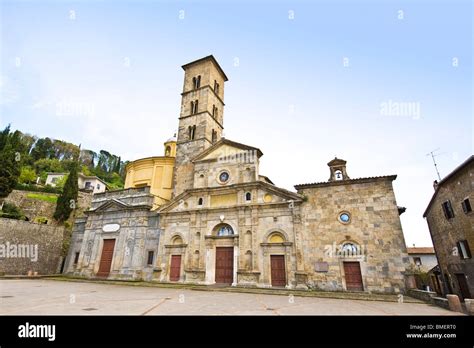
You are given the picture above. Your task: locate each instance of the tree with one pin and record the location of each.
(68, 199)
(9, 164)
(61, 182)
(43, 148)
(27, 175)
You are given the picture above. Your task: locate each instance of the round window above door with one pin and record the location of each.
(345, 217)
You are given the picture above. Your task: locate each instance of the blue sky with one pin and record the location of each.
(303, 89)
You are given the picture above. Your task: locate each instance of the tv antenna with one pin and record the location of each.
(433, 155)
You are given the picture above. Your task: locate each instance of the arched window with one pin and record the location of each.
(338, 175)
(198, 81)
(213, 110)
(276, 238)
(191, 132)
(196, 104)
(177, 240)
(200, 201)
(168, 151)
(225, 230)
(194, 82)
(350, 249)
(194, 107)
(248, 196)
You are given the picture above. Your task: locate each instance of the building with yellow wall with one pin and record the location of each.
(155, 172)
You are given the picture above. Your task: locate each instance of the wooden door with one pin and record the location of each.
(175, 268)
(278, 271)
(461, 277)
(353, 276)
(106, 258)
(225, 265)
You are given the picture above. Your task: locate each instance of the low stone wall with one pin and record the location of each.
(429, 297)
(26, 246)
(422, 294)
(440, 302)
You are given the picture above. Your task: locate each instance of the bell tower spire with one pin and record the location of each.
(202, 116)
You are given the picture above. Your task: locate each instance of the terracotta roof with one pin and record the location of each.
(445, 179)
(346, 182)
(420, 250)
(210, 57)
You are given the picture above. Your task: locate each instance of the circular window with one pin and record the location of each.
(344, 217)
(267, 198)
(224, 177)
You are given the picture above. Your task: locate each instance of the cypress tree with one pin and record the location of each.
(67, 201)
(9, 164)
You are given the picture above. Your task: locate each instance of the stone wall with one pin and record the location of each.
(37, 247)
(36, 208)
(447, 233)
(374, 226)
(135, 235)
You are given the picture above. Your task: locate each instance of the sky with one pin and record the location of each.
(380, 84)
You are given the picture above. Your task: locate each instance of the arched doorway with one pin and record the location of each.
(277, 261)
(224, 272)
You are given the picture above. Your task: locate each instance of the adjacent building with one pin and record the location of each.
(422, 258)
(204, 214)
(85, 182)
(451, 223)
(154, 172)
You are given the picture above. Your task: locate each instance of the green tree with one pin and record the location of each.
(9, 163)
(61, 182)
(27, 175)
(43, 148)
(67, 201)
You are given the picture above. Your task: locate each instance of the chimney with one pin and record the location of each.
(435, 185)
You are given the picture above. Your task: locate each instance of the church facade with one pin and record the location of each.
(218, 221)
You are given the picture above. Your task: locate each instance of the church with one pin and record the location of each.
(203, 214)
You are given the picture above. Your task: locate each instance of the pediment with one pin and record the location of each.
(233, 196)
(225, 149)
(110, 206)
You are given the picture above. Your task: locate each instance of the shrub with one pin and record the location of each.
(11, 211)
(27, 175)
(35, 188)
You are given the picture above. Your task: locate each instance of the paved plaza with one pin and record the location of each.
(51, 297)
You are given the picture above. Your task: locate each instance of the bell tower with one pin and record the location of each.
(338, 171)
(201, 118)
